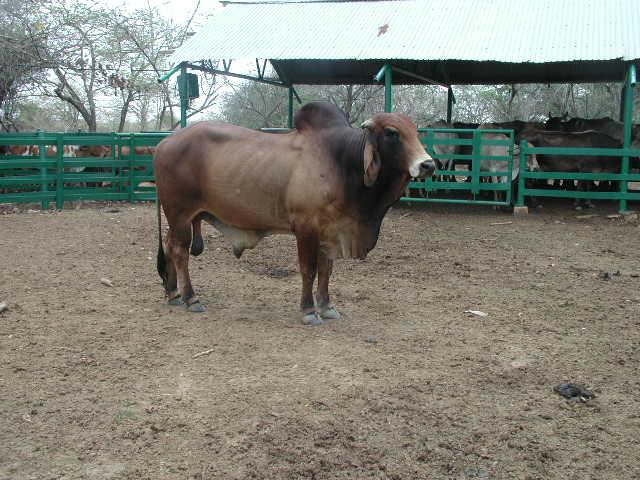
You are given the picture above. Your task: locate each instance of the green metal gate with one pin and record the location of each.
(46, 176)
(623, 194)
(470, 147)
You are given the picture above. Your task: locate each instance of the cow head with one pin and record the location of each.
(393, 148)
(391, 155)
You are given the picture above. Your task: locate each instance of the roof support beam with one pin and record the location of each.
(184, 95)
(402, 71)
(167, 75)
(450, 101)
(630, 83)
(269, 81)
(386, 72)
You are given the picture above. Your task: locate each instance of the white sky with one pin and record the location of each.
(178, 10)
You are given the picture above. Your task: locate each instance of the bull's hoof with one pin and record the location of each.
(197, 245)
(330, 314)
(176, 301)
(311, 319)
(195, 307)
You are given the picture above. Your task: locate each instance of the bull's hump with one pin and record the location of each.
(318, 116)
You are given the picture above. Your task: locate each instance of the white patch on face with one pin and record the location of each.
(414, 169)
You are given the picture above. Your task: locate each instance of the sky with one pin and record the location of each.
(178, 10)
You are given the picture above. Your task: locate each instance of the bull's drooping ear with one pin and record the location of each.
(372, 162)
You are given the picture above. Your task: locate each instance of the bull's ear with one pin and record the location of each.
(372, 163)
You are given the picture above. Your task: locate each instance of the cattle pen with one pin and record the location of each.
(103, 381)
(458, 330)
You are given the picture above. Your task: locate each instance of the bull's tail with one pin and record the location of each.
(162, 259)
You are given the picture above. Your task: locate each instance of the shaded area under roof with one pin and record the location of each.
(447, 41)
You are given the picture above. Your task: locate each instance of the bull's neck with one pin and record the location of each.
(347, 149)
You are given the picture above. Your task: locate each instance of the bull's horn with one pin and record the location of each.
(367, 124)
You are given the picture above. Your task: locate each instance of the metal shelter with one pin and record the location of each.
(443, 42)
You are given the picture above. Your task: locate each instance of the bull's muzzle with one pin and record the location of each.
(423, 167)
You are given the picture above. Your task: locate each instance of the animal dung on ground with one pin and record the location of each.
(477, 313)
(574, 392)
(106, 281)
(607, 276)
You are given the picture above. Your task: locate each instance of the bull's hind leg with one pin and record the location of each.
(178, 249)
(325, 309)
(171, 283)
(308, 260)
(197, 244)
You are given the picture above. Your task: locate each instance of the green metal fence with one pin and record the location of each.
(470, 149)
(46, 176)
(623, 194)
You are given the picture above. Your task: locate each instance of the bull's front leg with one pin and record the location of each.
(308, 247)
(325, 309)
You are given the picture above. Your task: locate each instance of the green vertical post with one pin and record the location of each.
(509, 192)
(388, 93)
(290, 121)
(132, 153)
(42, 156)
(475, 163)
(628, 118)
(59, 172)
(450, 101)
(183, 89)
(115, 155)
(115, 184)
(521, 173)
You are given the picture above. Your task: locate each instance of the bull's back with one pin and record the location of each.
(239, 175)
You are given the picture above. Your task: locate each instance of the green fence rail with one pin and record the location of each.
(120, 171)
(623, 194)
(470, 149)
(106, 167)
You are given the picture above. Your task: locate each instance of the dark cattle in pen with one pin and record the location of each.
(576, 163)
(606, 125)
(326, 183)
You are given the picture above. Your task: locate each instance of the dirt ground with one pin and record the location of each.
(100, 382)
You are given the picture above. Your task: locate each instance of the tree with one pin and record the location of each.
(21, 38)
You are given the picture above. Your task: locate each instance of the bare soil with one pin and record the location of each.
(100, 382)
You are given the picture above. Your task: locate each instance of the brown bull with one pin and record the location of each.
(325, 182)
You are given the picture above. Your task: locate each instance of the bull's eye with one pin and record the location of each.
(391, 133)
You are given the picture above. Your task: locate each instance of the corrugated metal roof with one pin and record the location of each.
(509, 31)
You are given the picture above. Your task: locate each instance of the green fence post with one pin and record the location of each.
(628, 118)
(132, 153)
(521, 173)
(475, 164)
(115, 155)
(509, 193)
(429, 140)
(59, 172)
(44, 187)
